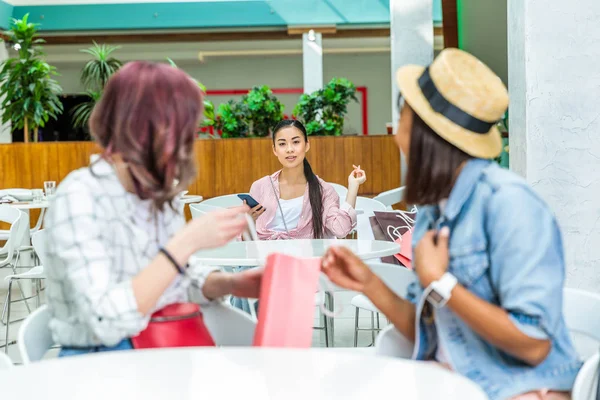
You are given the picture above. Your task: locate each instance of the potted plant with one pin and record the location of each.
(26, 84)
(254, 115)
(94, 76)
(323, 111)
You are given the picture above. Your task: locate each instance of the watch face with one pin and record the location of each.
(436, 297)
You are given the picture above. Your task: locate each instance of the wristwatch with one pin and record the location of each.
(441, 290)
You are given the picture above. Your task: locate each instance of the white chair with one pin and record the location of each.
(392, 343)
(391, 197)
(581, 310)
(366, 208)
(397, 278)
(369, 206)
(35, 274)
(586, 383)
(5, 361)
(200, 209)
(230, 200)
(229, 326)
(35, 337)
(9, 254)
(341, 190)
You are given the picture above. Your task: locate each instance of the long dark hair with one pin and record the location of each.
(315, 191)
(432, 164)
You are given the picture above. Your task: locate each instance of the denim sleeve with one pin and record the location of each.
(526, 260)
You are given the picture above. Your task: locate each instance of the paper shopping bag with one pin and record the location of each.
(287, 302)
(405, 255)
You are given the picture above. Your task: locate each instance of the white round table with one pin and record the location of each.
(250, 254)
(236, 374)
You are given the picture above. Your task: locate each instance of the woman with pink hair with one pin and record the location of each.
(117, 247)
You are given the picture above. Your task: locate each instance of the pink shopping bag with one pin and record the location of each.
(287, 302)
(405, 255)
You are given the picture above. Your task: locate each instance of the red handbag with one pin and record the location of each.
(176, 325)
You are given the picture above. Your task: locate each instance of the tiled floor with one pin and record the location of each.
(344, 325)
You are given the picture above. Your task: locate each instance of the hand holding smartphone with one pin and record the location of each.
(256, 209)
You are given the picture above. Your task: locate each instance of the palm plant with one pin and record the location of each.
(94, 76)
(26, 85)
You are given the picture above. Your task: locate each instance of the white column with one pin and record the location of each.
(554, 84)
(312, 61)
(5, 134)
(411, 29)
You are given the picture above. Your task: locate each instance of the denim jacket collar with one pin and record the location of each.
(464, 186)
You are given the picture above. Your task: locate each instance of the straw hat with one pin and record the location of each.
(460, 98)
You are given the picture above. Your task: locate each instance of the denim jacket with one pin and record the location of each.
(506, 248)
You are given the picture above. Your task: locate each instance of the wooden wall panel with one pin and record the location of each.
(224, 166)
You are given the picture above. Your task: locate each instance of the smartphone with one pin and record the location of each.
(249, 200)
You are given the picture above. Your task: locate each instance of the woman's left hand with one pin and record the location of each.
(431, 256)
(357, 177)
(247, 283)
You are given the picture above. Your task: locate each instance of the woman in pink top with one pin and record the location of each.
(308, 207)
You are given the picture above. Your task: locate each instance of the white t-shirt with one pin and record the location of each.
(292, 209)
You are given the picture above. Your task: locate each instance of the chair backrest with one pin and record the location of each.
(581, 310)
(391, 197)
(5, 361)
(228, 326)
(341, 190)
(586, 382)
(369, 206)
(396, 277)
(35, 338)
(392, 343)
(38, 241)
(230, 200)
(200, 209)
(16, 232)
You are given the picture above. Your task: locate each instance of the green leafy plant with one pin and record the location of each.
(26, 84)
(323, 111)
(94, 76)
(232, 119)
(254, 115)
(264, 110)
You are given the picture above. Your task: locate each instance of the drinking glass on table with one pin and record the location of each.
(38, 195)
(50, 188)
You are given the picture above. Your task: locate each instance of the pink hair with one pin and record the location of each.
(149, 115)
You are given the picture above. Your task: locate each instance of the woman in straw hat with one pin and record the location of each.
(488, 252)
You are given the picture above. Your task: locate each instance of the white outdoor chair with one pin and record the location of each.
(229, 326)
(581, 310)
(228, 201)
(190, 199)
(392, 343)
(341, 190)
(9, 253)
(35, 337)
(586, 383)
(366, 208)
(397, 278)
(35, 274)
(200, 209)
(5, 361)
(391, 197)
